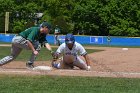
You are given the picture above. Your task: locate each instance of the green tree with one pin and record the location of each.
(125, 18)
(26, 13)
(89, 17)
(103, 17)
(5, 6)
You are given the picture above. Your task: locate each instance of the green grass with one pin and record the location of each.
(44, 54)
(93, 45)
(61, 84)
(5, 42)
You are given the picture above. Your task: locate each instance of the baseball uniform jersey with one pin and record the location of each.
(72, 56)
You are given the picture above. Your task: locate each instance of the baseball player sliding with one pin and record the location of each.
(31, 39)
(69, 50)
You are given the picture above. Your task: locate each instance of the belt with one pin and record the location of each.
(21, 36)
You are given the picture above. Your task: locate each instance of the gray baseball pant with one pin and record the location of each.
(19, 43)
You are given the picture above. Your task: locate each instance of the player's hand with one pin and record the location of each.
(88, 68)
(35, 52)
(55, 56)
(52, 53)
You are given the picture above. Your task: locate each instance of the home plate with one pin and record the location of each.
(42, 68)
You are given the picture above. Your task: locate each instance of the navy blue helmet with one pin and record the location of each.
(69, 38)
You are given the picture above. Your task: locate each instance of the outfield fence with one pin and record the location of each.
(90, 40)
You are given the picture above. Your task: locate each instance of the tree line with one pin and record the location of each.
(88, 17)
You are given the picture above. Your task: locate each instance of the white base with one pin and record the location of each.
(42, 68)
(124, 48)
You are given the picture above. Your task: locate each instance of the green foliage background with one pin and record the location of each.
(89, 17)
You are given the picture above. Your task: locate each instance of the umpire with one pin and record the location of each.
(30, 39)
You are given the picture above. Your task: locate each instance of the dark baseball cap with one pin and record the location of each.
(46, 24)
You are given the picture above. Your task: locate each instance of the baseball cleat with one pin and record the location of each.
(29, 65)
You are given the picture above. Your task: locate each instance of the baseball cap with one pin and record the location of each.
(46, 24)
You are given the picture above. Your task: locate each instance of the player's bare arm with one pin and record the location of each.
(32, 47)
(47, 45)
(87, 61)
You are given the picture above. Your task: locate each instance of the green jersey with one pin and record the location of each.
(57, 30)
(33, 34)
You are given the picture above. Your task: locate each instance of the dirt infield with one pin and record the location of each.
(112, 62)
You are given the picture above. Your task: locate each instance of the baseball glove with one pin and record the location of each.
(55, 56)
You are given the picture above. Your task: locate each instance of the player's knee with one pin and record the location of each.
(12, 57)
(83, 67)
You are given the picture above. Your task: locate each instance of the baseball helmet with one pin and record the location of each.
(69, 38)
(46, 24)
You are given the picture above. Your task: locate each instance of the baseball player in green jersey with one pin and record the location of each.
(30, 39)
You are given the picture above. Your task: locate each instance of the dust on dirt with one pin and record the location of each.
(112, 62)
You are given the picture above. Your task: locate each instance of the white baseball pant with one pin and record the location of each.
(69, 61)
